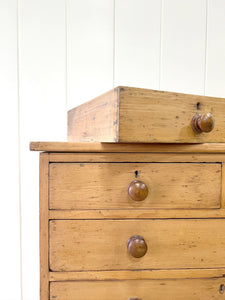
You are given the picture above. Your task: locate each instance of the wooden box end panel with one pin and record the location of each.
(96, 120)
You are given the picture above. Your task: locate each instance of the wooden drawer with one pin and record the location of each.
(105, 185)
(77, 245)
(132, 115)
(182, 289)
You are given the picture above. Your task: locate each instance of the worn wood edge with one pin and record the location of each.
(143, 157)
(118, 147)
(43, 217)
(91, 100)
(118, 115)
(92, 110)
(139, 274)
(223, 187)
(137, 214)
(162, 92)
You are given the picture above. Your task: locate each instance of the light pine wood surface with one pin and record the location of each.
(181, 289)
(95, 118)
(88, 240)
(105, 185)
(78, 245)
(137, 157)
(134, 115)
(123, 147)
(83, 214)
(134, 275)
(43, 225)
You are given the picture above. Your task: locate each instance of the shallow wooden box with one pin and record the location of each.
(135, 115)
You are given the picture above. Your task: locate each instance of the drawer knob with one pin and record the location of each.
(202, 122)
(135, 298)
(137, 246)
(137, 190)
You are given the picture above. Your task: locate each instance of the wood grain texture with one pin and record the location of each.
(145, 116)
(181, 289)
(137, 157)
(149, 116)
(132, 275)
(136, 213)
(95, 120)
(223, 187)
(43, 217)
(105, 185)
(120, 147)
(102, 245)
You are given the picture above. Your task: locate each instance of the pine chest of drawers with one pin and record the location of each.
(136, 220)
(132, 221)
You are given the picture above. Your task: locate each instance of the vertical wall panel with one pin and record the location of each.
(42, 58)
(90, 49)
(137, 43)
(183, 46)
(215, 75)
(9, 172)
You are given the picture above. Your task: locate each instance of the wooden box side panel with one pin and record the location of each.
(149, 116)
(96, 120)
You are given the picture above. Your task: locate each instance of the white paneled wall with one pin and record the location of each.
(42, 101)
(137, 43)
(215, 59)
(90, 49)
(183, 46)
(56, 54)
(9, 151)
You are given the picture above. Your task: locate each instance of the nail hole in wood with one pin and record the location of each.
(198, 105)
(221, 289)
(136, 174)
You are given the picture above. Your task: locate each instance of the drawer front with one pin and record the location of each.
(147, 116)
(77, 245)
(105, 185)
(176, 289)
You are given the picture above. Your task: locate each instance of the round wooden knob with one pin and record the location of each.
(135, 298)
(137, 190)
(137, 246)
(202, 122)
